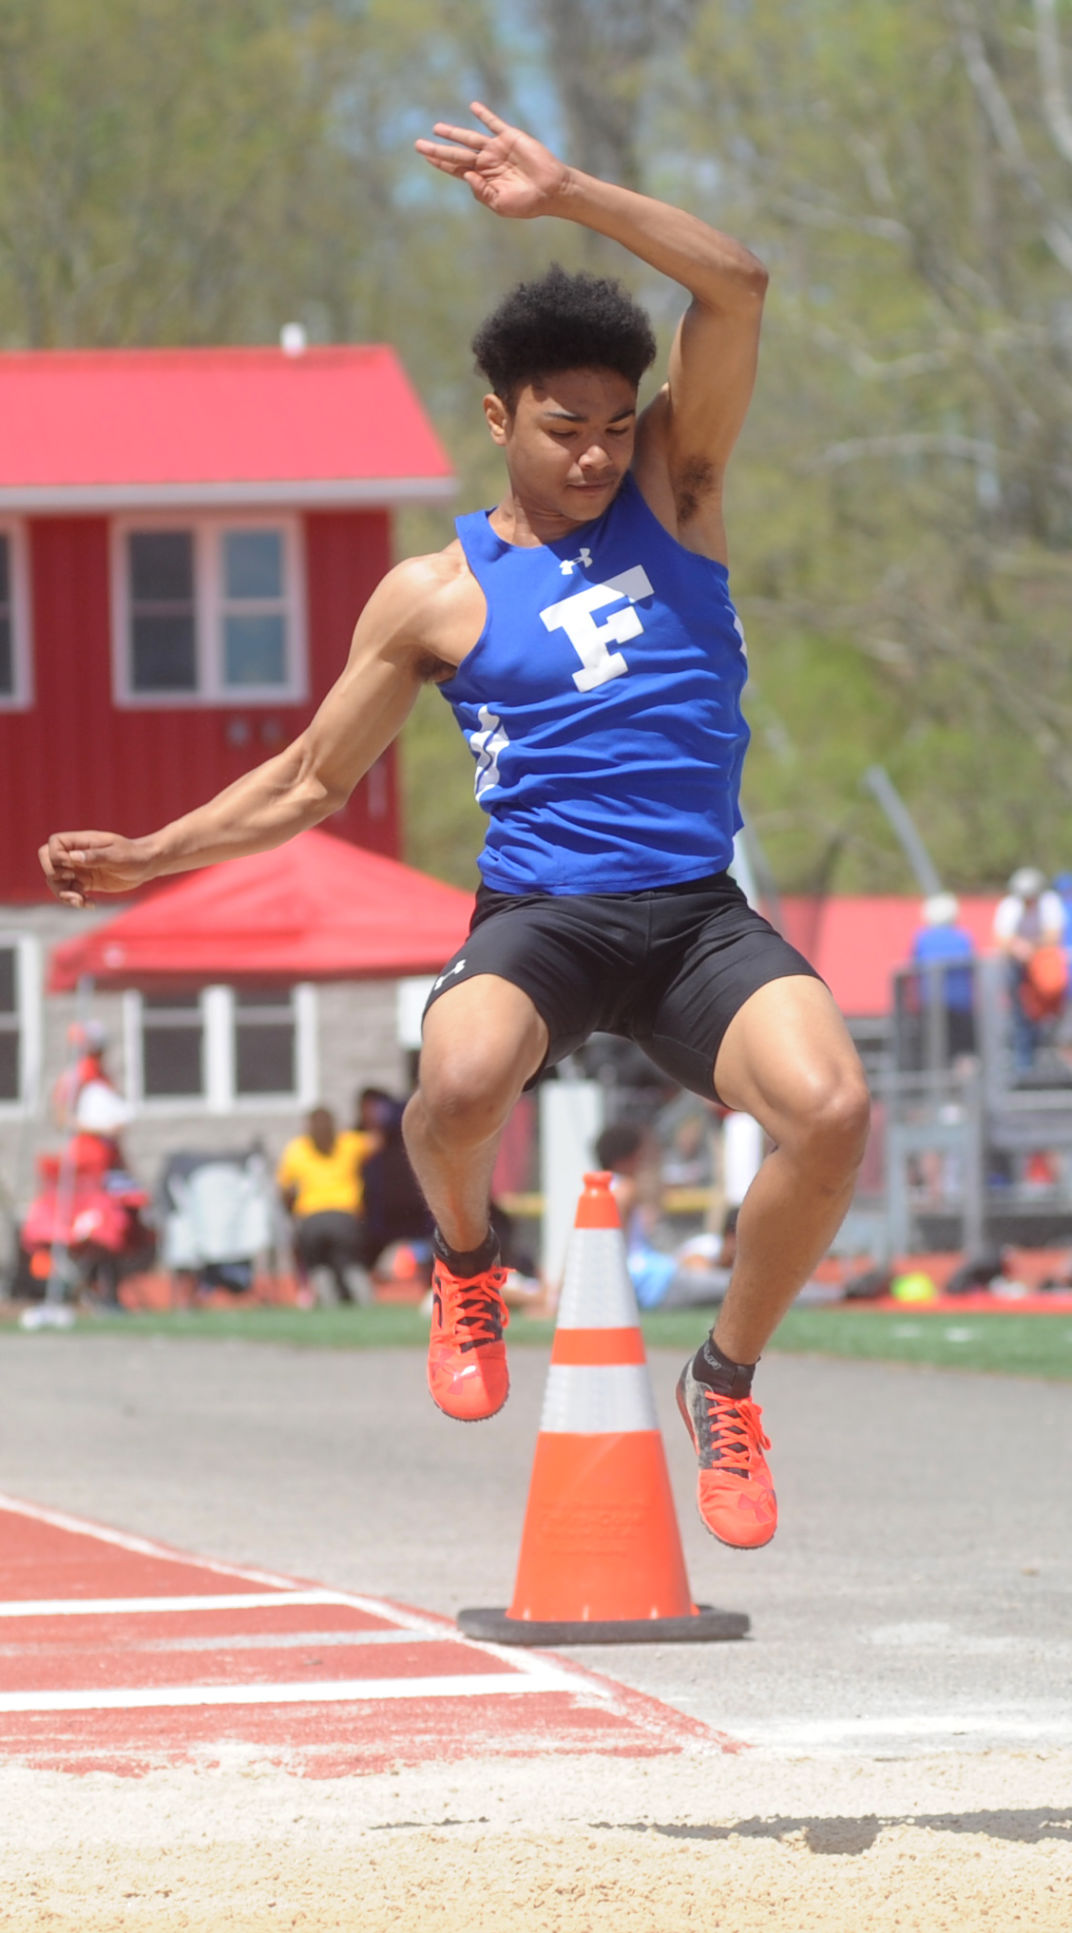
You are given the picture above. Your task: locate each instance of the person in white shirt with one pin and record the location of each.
(1030, 916)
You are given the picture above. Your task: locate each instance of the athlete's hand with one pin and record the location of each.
(508, 171)
(79, 864)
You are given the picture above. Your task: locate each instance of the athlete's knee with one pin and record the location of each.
(465, 1093)
(830, 1131)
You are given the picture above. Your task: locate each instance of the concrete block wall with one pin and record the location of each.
(357, 1046)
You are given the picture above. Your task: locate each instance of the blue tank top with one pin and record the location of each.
(602, 705)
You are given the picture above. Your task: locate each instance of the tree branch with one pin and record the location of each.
(1051, 77)
(1003, 126)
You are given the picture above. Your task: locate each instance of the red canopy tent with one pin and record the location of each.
(317, 908)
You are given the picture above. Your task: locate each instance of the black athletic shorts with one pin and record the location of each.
(667, 968)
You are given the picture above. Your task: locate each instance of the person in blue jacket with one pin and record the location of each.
(945, 951)
(583, 632)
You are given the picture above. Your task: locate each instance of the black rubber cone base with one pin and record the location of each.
(705, 1626)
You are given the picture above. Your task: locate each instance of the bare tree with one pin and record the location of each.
(601, 59)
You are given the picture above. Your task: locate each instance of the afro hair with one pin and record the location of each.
(561, 322)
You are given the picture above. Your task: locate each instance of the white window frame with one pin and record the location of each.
(209, 605)
(218, 1096)
(29, 1010)
(21, 696)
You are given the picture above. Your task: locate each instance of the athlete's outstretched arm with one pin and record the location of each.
(713, 363)
(361, 715)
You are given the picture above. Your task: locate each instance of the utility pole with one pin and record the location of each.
(879, 782)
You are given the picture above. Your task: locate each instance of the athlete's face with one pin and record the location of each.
(568, 441)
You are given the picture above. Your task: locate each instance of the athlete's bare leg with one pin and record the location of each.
(787, 1060)
(482, 1041)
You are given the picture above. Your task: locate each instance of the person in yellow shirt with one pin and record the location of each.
(319, 1178)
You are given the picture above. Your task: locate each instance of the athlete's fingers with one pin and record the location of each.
(490, 120)
(61, 882)
(445, 167)
(453, 161)
(463, 137)
(76, 849)
(441, 151)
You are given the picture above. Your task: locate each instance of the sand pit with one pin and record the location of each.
(803, 1845)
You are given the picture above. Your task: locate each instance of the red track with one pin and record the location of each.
(118, 1655)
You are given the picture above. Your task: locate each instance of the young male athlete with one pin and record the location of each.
(583, 633)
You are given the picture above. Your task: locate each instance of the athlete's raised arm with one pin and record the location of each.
(406, 623)
(688, 432)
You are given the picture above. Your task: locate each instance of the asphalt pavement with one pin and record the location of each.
(915, 1598)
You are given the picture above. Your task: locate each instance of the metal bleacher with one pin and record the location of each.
(977, 1154)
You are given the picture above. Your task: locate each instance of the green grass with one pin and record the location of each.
(392, 1326)
(1013, 1345)
(1021, 1345)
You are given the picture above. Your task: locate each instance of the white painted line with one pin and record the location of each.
(323, 1691)
(74, 1607)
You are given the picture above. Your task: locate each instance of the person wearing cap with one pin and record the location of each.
(1028, 919)
(87, 1044)
(942, 943)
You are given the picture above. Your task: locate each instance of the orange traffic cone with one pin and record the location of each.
(601, 1558)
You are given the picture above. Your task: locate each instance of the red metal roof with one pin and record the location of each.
(86, 428)
(856, 943)
(317, 908)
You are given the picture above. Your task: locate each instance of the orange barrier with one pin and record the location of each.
(601, 1558)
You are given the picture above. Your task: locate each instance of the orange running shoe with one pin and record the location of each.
(735, 1492)
(467, 1373)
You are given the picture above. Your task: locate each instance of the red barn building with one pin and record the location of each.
(186, 539)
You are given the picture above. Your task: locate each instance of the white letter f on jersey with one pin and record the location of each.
(589, 639)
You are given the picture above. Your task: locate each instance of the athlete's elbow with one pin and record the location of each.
(319, 798)
(746, 291)
(314, 788)
(753, 282)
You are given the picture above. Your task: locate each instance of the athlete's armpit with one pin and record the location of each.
(694, 485)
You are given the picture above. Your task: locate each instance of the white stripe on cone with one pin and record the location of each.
(593, 1400)
(596, 1290)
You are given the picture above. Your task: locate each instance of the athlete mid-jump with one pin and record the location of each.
(583, 633)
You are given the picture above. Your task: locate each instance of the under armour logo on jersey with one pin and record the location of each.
(569, 564)
(444, 977)
(589, 639)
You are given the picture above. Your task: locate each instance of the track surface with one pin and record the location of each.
(916, 1593)
(117, 1654)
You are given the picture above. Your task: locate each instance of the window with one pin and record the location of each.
(264, 1042)
(172, 1047)
(253, 609)
(223, 1049)
(163, 618)
(15, 682)
(209, 612)
(10, 1055)
(20, 1023)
